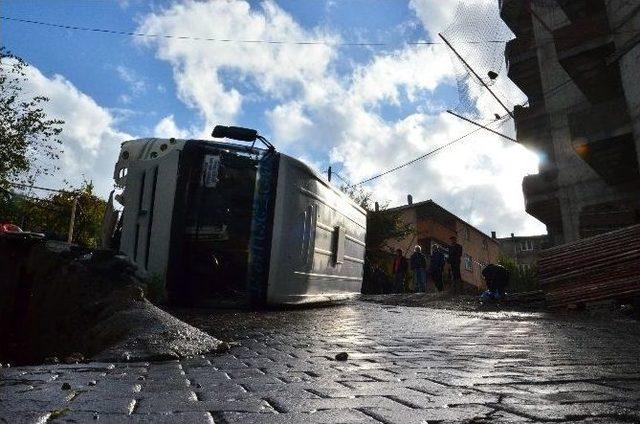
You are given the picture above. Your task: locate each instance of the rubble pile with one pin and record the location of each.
(65, 304)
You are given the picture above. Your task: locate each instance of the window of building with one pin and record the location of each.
(485, 244)
(467, 233)
(468, 262)
(526, 245)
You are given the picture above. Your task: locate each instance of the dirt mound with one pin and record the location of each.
(60, 301)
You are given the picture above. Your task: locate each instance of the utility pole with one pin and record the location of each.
(72, 221)
(476, 75)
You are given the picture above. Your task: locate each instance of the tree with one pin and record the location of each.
(29, 143)
(521, 279)
(51, 215)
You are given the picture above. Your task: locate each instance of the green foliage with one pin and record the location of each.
(359, 195)
(27, 136)
(521, 279)
(51, 215)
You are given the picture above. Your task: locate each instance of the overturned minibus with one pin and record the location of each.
(223, 223)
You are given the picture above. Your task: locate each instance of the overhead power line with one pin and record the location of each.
(37, 199)
(259, 41)
(421, 157)
(230, 40)
(28, 186)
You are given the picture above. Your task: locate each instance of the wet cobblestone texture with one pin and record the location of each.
(405, 365)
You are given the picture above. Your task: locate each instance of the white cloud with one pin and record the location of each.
(288, 122)
(435, 15)
(319, 115)
(124, 99)
(167, 128)
(413, 68)
(200, 68)
(136, 83)
(91, 142)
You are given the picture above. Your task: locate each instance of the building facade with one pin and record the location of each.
(523, 250)
(432, 226)
(577, 61)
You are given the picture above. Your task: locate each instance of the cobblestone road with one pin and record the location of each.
(405, 365)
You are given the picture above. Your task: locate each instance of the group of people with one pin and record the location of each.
(422, 268)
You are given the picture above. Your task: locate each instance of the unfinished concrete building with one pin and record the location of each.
(578, 62)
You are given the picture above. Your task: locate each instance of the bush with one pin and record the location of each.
(521, 279)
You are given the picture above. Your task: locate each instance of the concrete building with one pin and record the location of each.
(578, 63)
(433, 226)
(523, 250)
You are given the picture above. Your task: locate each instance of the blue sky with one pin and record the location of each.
(94, 62)
(360, 109)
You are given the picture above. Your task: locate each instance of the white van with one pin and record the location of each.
(221, 222)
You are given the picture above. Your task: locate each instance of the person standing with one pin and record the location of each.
(419, 267)
(455, 256)
(436, 267)
(399, 271)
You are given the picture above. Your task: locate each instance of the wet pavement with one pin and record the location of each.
(404, 365)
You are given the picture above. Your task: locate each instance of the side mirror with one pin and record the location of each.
(235, 133)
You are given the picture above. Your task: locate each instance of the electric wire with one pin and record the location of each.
(552, 90)
(247, 41)
(257, 41)
(37, 199)
(424, 156)
(341, 178)
(222, 40)
(28, 186)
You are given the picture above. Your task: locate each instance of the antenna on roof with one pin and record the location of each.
(240, 134)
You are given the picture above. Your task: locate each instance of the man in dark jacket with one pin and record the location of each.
(455, 256)
(399, 271)
(436, 267)
(497, 278)
(419, 266)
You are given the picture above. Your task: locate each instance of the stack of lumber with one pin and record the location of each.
(606, 266)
